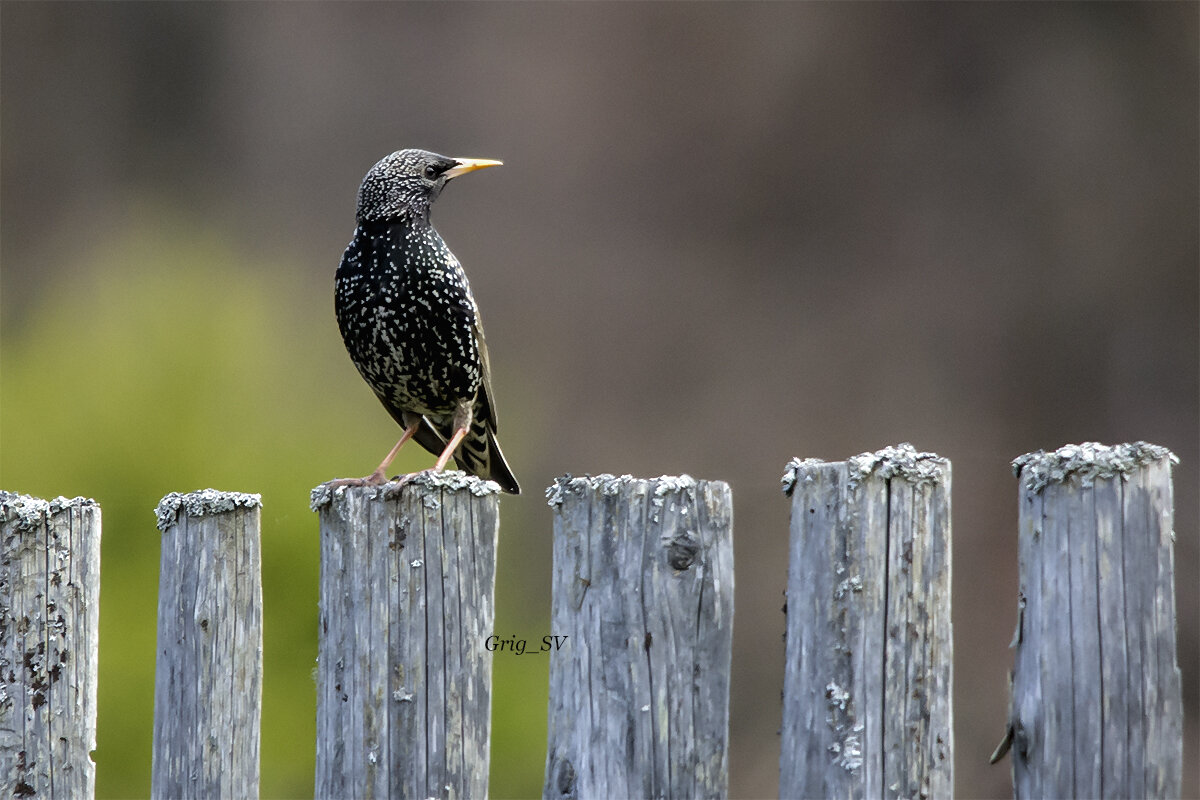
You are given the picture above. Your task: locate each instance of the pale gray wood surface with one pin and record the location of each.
(404, 677)
(867, 706)
(1096, 705)
(49, 626)
(643, 589)
(208, 670)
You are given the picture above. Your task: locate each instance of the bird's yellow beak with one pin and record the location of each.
(466, 165)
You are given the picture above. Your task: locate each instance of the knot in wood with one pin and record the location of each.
(564, 778)
(682, 550)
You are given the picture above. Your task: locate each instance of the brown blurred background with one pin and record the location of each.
(725, 235)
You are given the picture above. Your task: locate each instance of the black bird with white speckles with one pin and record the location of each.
(409, 320)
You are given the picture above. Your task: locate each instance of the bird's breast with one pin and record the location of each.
(407, 318)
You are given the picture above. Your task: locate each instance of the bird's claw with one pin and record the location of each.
(376, 478)
(401, 480)
(339, 482)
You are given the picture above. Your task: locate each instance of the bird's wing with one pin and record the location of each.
(483, 401)
(480, 453)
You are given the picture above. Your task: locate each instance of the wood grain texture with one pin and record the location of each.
(1096, 696)
(867, 707)
(406, 606)
(208, 672)
(643, 589)
(49, 626)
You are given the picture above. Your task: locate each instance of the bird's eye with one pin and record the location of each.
(431, 172)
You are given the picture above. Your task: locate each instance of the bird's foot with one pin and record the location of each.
(376, 478)
(400, 480)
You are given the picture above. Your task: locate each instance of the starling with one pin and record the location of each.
(410, 323)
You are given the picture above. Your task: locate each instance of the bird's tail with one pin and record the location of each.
(480, 454)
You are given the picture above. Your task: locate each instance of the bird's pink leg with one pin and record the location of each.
(462, 424)
(444, 458)
(379, 476)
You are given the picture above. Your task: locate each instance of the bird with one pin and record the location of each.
(410, 323)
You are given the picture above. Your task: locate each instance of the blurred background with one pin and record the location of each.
(724, 236)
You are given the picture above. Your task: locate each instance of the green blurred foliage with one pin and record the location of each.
(170, 361)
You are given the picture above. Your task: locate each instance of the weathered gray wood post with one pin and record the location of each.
(642, 626)
(404, 675)
(208, 671)
(867, 708)
(1096, 705)
(49, 625)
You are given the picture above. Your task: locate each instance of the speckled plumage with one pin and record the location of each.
(407, 316)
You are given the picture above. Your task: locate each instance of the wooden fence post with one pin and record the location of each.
(642, 627)
(208, 671)
(867, 708)
(404, 675)
(1096, 704)
(49, 624)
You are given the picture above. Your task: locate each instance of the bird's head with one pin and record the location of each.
(408, 181)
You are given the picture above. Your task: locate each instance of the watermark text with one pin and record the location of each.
(520, 647)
